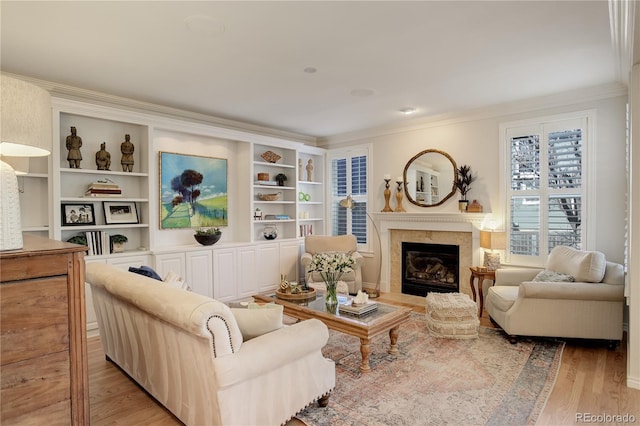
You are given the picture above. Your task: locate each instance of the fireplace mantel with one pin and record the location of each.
(445, 222)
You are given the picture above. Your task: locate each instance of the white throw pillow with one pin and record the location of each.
(257, 319)
(174, 280)
(585, 266)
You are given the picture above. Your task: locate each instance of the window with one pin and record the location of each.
(545, 180)
(349, 172)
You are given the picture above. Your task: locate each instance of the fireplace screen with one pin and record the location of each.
(430, 267)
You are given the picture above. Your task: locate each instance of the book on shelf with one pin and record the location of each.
(306, 230)
(102, 194)
(98, 243)
(277, 217)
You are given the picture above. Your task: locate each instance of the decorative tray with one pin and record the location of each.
(303, 295)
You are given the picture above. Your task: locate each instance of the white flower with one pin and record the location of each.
(331, 265)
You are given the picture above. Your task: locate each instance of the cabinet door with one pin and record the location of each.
(164, 263)
(200, 272)
(290, 259)
(224, 274)
(268, 267)
(248, 272)
(124, 262)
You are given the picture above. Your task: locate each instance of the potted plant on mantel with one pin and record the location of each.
(464, 178)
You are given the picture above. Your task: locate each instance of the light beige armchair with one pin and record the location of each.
(322, 244)
(591, 307)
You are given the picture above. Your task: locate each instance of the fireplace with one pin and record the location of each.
(430, 267)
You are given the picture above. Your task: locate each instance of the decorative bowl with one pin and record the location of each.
(270, 156)
(269, 197)
(207, 240)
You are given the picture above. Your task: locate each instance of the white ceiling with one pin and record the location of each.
(246, 60)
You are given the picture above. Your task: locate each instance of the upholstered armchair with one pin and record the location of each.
(577, 295)
(322, 244)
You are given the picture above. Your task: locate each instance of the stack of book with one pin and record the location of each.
(98, 243)
(103, 189)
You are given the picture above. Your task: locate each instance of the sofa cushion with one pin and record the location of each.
(503, 296)
(257, 320)
(147, 271)
(584, 266)
(553, 277)
(174, 280)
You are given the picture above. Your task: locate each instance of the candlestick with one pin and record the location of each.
(399, 207)
(387, 194)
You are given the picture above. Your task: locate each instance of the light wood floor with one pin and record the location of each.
(591, 380)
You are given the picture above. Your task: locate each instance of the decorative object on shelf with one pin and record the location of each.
(103, 188)
(74, 143)
(269, 197)
(120, 212)
(348, 203)
(183, 180)
(299, 168)
(25, 131)
(257, 214)
(127, 149)
(117, 243)
(399, 192)
(331, 266)
(281, 178)
(387, 194)
(270, 232)
(270, 157)
(103, 158)
(474, 207)
(310, 170)
(263, 176)
(464, 178)
(77, 214)
(285, 287)
(492, 240)
(207, 236)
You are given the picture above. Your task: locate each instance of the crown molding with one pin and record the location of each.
(570, 97)
(83, 95)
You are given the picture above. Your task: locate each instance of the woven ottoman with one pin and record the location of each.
(452, 316)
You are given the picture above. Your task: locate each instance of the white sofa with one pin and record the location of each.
(591, 307)
(187, 351)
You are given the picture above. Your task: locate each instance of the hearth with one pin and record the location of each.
(430, 267)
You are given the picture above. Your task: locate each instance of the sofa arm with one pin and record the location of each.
(571, 291)
(515, 276)
(259, 355)
(306, 259)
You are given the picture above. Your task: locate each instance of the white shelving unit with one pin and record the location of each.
(311, 193)
(33, 185)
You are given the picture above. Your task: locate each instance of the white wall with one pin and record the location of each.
(475, 141)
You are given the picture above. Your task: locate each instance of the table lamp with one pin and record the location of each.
(492, 240)
(348, 203)
(25, 131)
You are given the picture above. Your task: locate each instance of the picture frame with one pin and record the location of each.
(193, 191)
(120, 212)
(77, 214)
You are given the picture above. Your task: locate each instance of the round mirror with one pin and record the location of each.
(429, 178)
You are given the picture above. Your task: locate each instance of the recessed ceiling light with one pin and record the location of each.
(407, 110)
(310, 70)
(362, 93)
(204, 25)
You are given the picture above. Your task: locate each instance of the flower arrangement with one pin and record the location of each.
(331, 266)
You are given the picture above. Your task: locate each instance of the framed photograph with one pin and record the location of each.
(193, 191)
(74, 214)
(118, 212)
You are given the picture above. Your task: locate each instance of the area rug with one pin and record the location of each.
(434, 381)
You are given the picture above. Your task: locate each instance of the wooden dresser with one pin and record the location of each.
(43, 346)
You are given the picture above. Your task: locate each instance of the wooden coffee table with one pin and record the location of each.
(385, 318)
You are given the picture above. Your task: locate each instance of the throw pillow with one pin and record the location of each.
(147, 271)
(553, 277)
(257, 319)
(174, 280)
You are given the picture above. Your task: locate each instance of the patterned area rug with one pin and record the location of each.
(432, 381)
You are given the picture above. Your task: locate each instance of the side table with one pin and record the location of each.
(476, 273)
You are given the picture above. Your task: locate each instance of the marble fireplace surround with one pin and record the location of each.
(461, 229)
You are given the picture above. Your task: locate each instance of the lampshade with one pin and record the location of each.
(25, 111)
(493, 240)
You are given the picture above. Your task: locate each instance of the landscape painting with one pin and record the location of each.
(193, 191)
